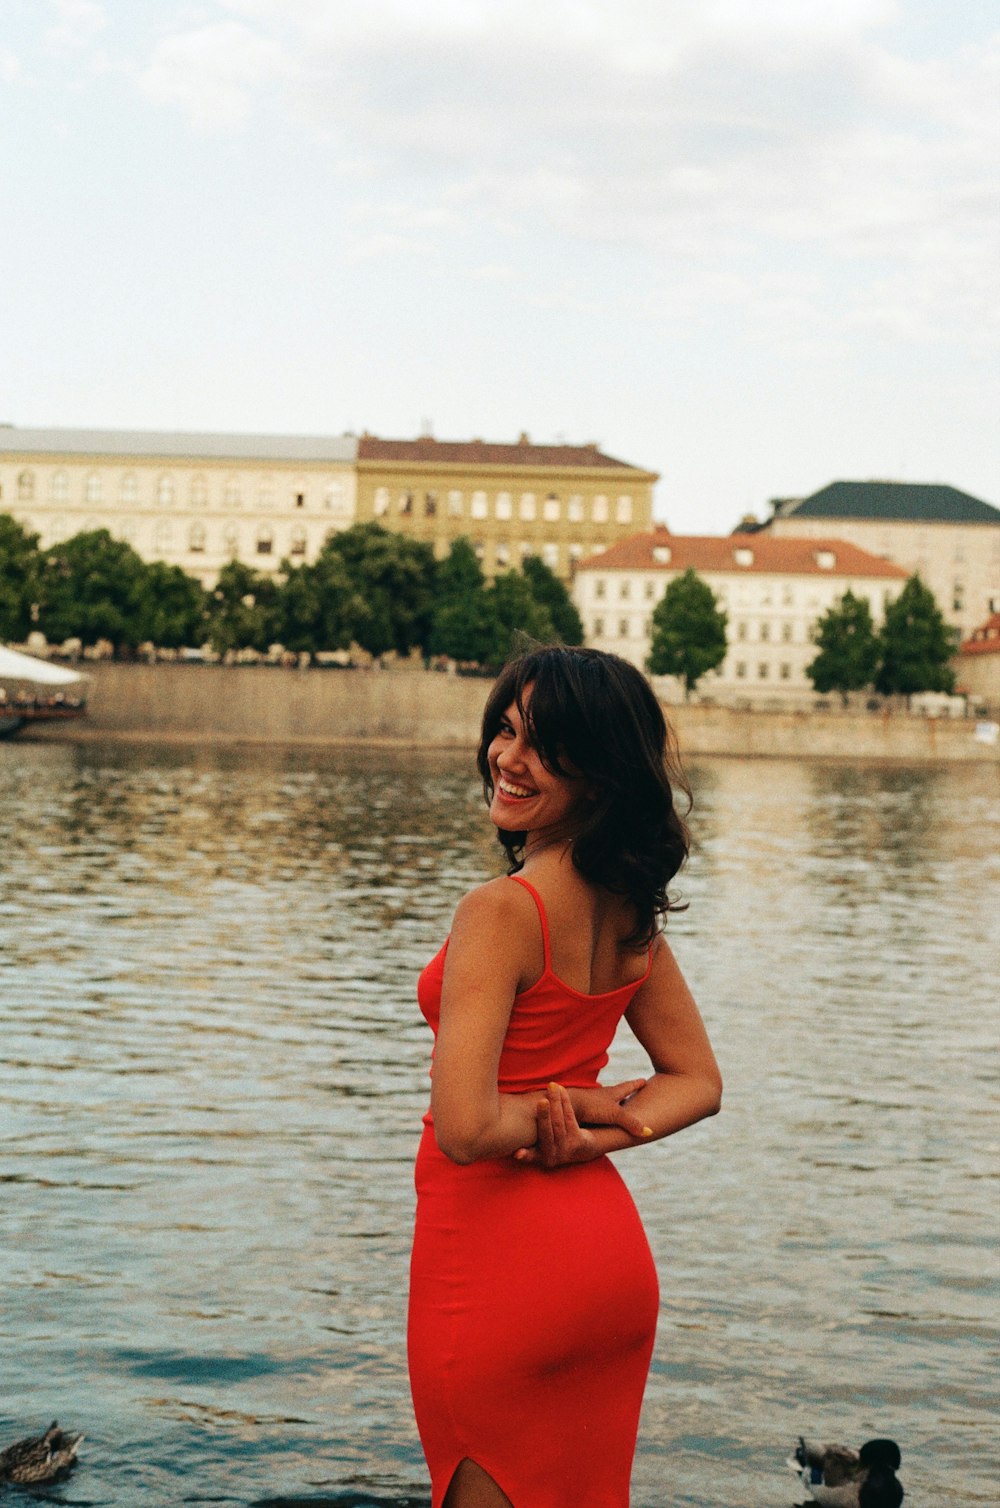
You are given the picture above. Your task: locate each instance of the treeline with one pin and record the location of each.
(368, 587)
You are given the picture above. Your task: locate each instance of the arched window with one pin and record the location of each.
(574, 508)
(92, 488)
(298, 541)
(231, 539)
(527, 505)
(129, 491)
(265, 540)
(599, 512)
(199, 492)
(165, 491)
(232, 497)
(26, 487)
(454, 505)
(335, 502)
(550, 554)
(59, 487)
(623, 510)
(504, 505)
(502, 556)
(480, 505)
(381, 506)
(163, 537)
(550, 509)
(196, 537)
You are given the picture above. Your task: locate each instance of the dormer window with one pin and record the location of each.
(826, 560)
(661, 554)
(743, 556)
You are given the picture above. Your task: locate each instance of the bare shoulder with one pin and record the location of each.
(496, 905)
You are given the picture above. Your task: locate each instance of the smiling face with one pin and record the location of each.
(527, 797)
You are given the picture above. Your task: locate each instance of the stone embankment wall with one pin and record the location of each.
(212, 703)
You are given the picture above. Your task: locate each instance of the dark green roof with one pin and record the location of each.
(916, 502)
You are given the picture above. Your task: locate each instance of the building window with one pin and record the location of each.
(574, 508)
(502, 557)
(741, 630)
(649, 590)
(625, 589)
(479, 548)
(265, 540)
(298, 541)
(406, 504)
(786, 633)
(525, 549)
(381, 506)
(599, 587)
(623, 625)
(661, 554)
(334, 501)
(129, 488)
(741, 670)
(199, 492)
(787, 596)
(958, 597)
(454, 505)
(786, 671)
(92, 489)
(231, 539)
(599, 513)
(59, 487)
(765, 632)
(550, 509)
(826, 560)
(165, 492)
(743, 557)
(598, 628)
(480, 505)
(505, 505)
(430, 504)
(299, 499)
(26, 487)
(527, 508)
(623, 510)
(575, 552)
(196, 537)
(763, 670)
(550, 554)
(163, 537)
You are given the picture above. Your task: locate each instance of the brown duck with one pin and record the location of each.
(43, 1458)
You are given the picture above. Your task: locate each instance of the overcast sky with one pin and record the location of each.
(749, 244)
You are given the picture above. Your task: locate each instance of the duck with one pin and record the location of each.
(43, 1458)
(837, 1476)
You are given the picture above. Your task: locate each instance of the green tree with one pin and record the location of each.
(848, 657)
(173, 609)
(393, 587)
(515, 611)
(550, 593)
(242, 609)
(317, 604)
(93, 587)
(464, 622)
(915, 644)
(20, 569)
(689, 631)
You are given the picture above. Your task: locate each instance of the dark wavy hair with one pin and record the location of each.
(595, 715)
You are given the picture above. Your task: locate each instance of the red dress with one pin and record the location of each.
(533, 1295)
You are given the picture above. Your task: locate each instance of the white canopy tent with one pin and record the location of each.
(15, 666)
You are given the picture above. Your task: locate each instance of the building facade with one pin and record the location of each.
(200, 500)
(561, 502)
(193, 500)
(951, 538)
(772, 591)
(977, 664)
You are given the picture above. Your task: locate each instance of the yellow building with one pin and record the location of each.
(561, 502)
(198, 500)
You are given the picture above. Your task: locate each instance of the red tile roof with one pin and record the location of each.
(984, 640)
(427, 450)
(715, 553)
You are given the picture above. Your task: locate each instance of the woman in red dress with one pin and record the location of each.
(533, 1295)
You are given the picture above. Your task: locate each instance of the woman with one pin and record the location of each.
(533, 1296)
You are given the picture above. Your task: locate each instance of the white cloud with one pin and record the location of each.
(212, 71)
(79, 22)
(697, 130)
(10, 66)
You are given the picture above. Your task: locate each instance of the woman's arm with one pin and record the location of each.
(483, 972)
(685, 1085)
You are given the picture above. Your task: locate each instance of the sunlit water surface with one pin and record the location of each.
(215, 1072)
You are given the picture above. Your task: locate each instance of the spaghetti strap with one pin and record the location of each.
(520, 880)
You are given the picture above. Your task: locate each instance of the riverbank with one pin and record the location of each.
(252, 704)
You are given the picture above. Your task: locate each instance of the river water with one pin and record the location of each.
(215, 1072)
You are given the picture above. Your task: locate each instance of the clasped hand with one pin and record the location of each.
(565, 1117)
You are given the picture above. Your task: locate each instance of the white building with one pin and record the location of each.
(193, 500)
(772, 590)
(949, 537)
